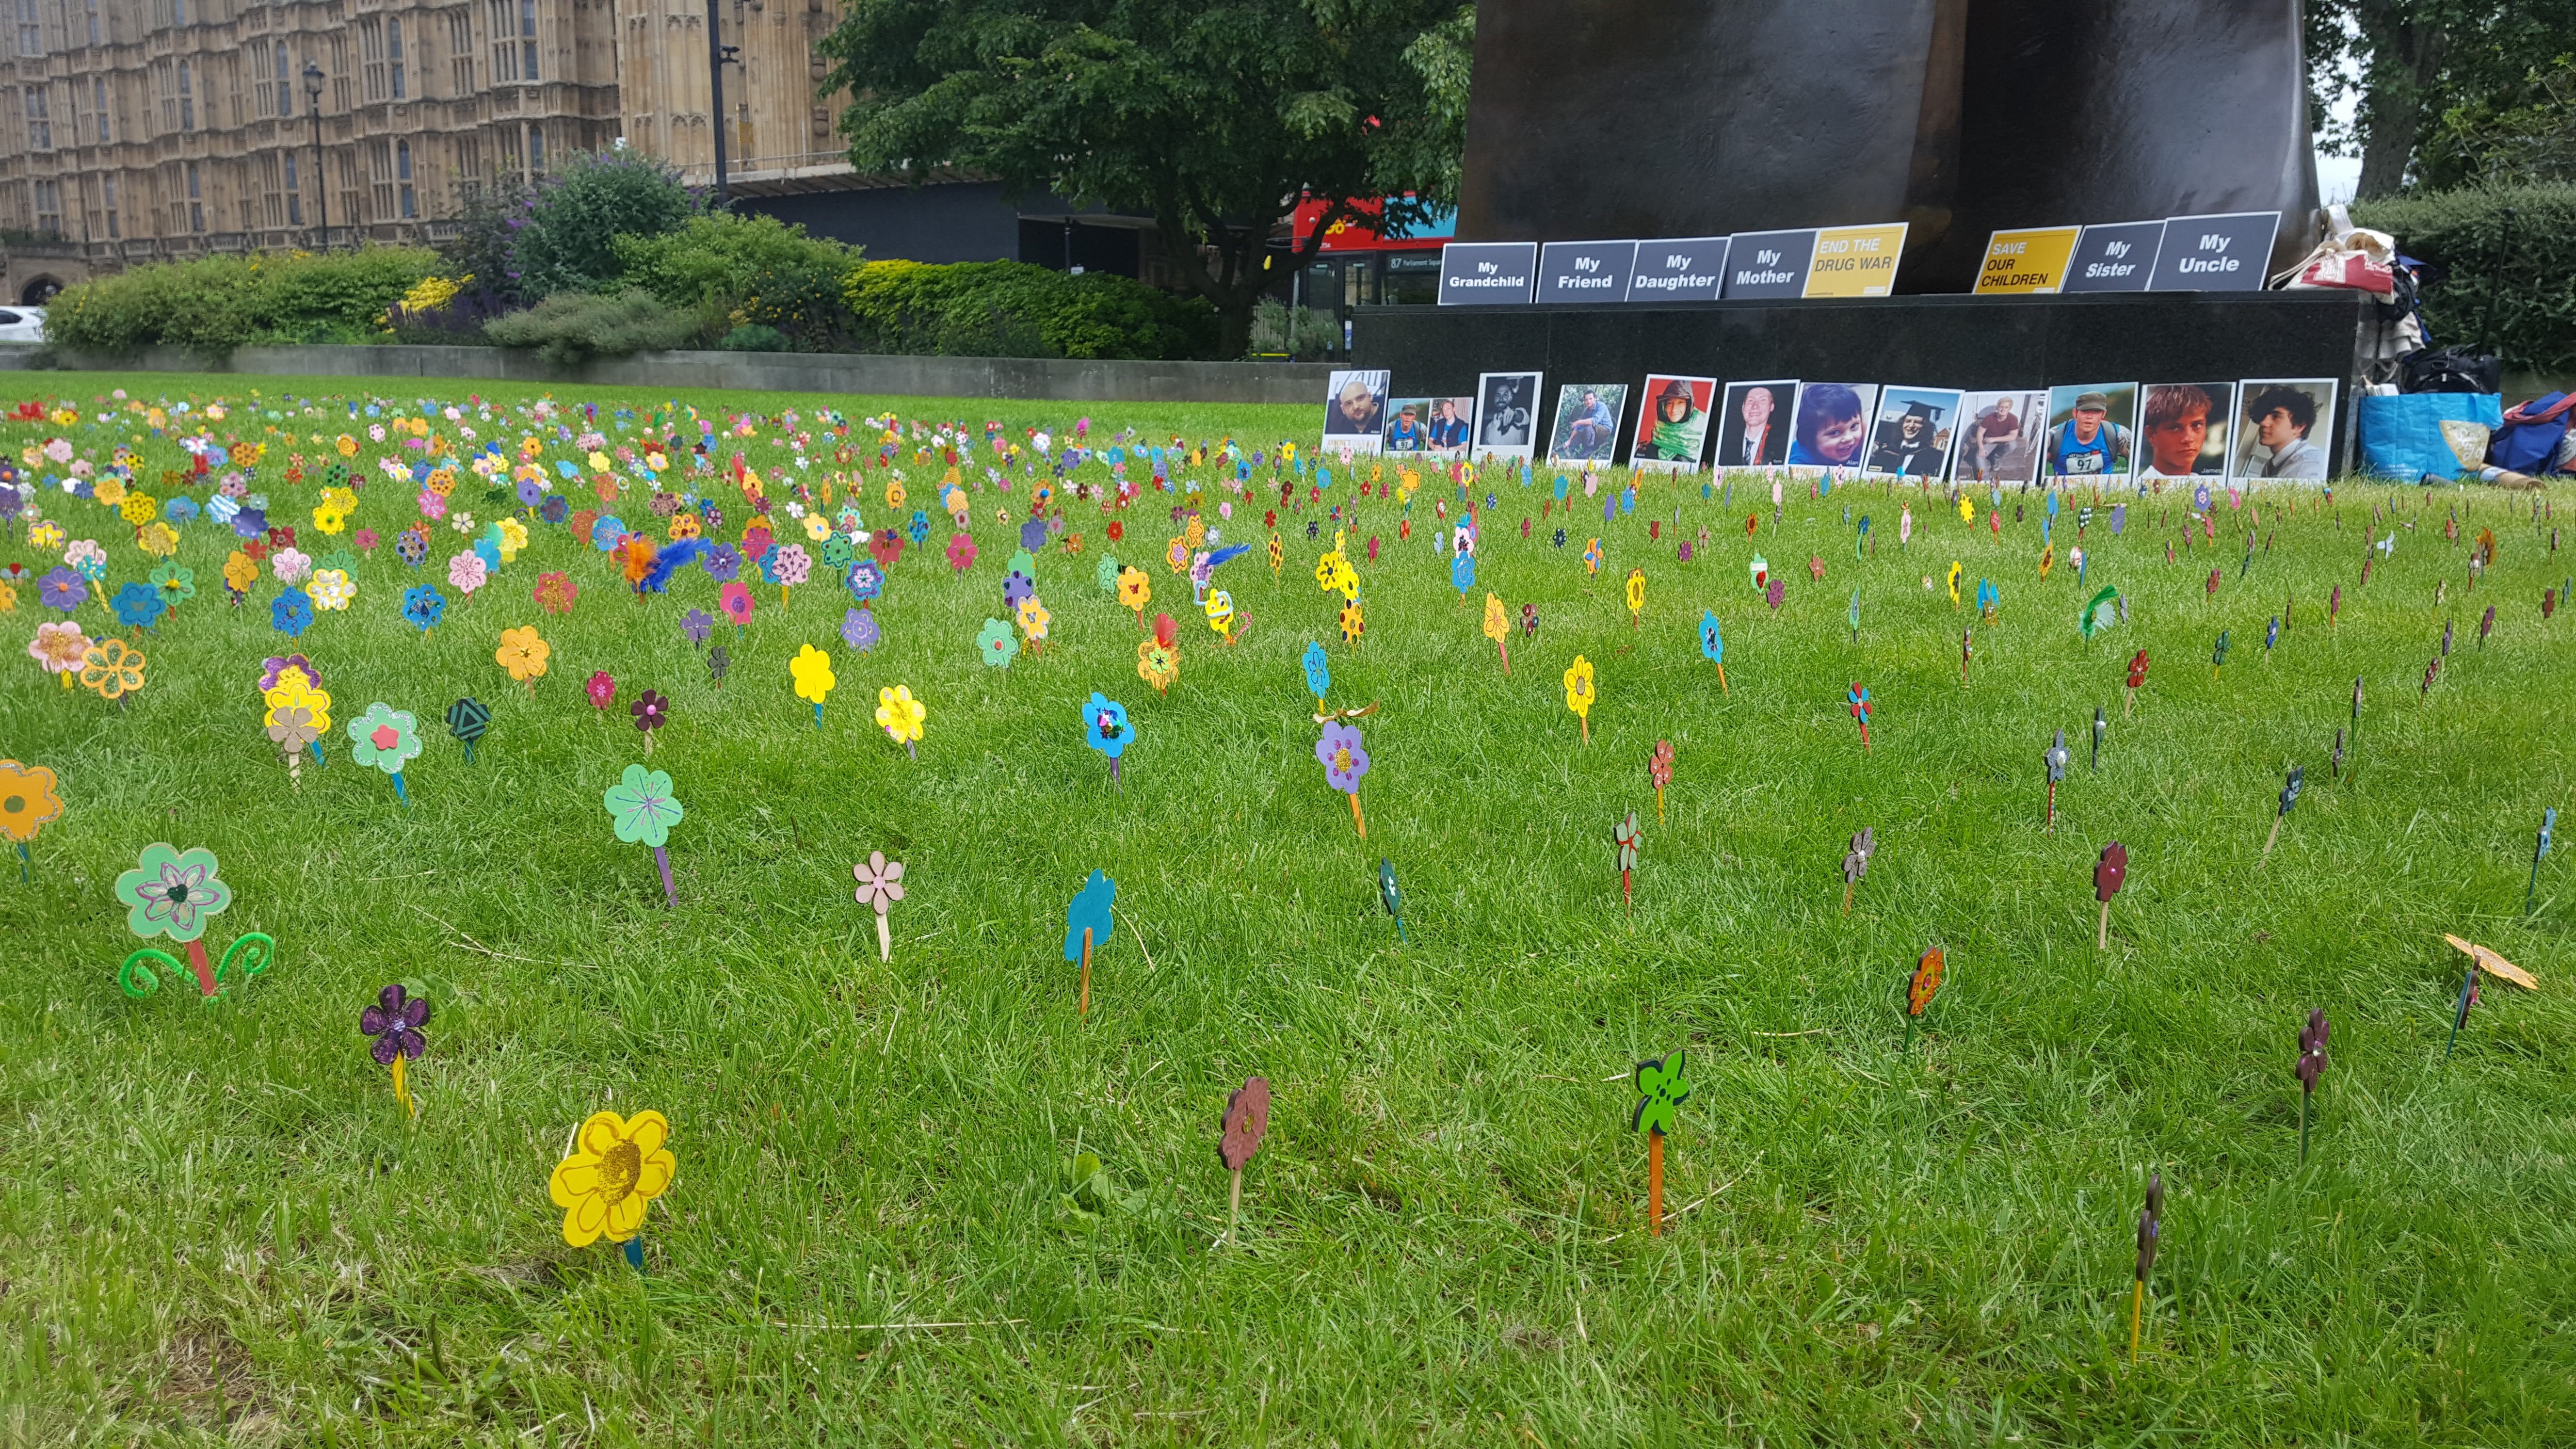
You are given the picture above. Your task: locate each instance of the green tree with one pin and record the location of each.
(568, 239)
(1212, 119)
(2448, 90)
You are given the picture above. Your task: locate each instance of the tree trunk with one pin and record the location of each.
(1237, 288)
(2405, 57)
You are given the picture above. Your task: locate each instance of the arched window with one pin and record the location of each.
(187, 101)
(285, 83)
(393, 55)
(402, 175)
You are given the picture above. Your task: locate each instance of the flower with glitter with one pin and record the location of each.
(555, 592)
(1344, 761)
(859, 630)
(423, 606)
(395, 1022)
(59, 647)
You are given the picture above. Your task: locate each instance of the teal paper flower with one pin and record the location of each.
(997, 643)
(385, 737)
(137, 605)
(172, 893)
(643, 806)
(177, 582)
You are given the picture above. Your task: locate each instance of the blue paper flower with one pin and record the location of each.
(1319, 672)
(555, 509)
(291, 612)
(180, 511)
(1105, 727)
(919, 528)
(1090, 911)
(1711, 643)
(606, 532)
(1462, 572)
(250, 523)
(859, 630)
(137, 605)
(423, 606)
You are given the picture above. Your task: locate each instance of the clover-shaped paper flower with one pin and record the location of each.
(59, 647)
(1578, 688)
(28, 800)
(1158, 664)
(112, 668)
(996, 644)
(812, 671)
(173, 893)
(880, 881)
(900, 715)
(1662, 1089)
(617, 1168)
(523, 653)
(423, 606)
(291, 612)
(138, 605)
(735, 600)
(1105, 727)
(651, 711)
(395, 1022)
(642, 806)
(1344, 762)
(385, 737)
(1628, 836)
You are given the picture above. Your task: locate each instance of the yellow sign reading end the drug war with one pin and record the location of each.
(2028, 263)
(1856, 261)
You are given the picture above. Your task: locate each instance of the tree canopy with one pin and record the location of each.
(2450, 92)
(1213, 119)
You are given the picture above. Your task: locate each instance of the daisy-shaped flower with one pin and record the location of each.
(59, 647)
(996, 644)
(1343, 760)
(651, 711)
(333, 590)
(617, 1168)
(395, 1022)
(172, 892)
(900, 715)
(523, 653)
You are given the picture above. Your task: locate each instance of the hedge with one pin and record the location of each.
(1013, 309)
(2505, 286)
(217, 304)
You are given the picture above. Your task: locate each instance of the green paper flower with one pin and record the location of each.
(385, 737)
(642, 805)
(172, 893)
(1107, 574)
(178, 584)
(1659, 1110)
(997, 644)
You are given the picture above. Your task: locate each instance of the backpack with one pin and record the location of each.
(2449, 369)
(2529, 435)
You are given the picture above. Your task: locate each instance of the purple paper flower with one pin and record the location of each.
(275, 664)
(250, 523)
(696, 625)
(555, 509)
(531, 492)
(859, 629)
(61, 589)
(1343, 760)
(1016, 587)
(395, 1023)
(723, 563)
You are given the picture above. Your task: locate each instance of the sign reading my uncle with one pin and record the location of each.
(2216, 253)
(2027, 263)
(1587, 271)
(2116, 258)
(1486, 274)
(1769, 264)
(1680, 269)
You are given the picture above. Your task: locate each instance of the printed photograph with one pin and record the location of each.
(1916, 426)
(1355, 412)
(2281, 427)
(1832, 430)
(2183, 429)
(2091, 432)
(1672, 429)
(1753, 426)
(2000, 443)
(1506, 414)
(1429, 426)
(1587, 422)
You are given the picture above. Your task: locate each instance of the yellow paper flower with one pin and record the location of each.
(1967, 509)
(894, 493)
(901, 715)
(27, 800)
(599, 462)
(523, 653)
(8, 599)
(813, 671)
(816, 528)
(329, 520)
(684, 524)
(1135, 591)
(240, 573)
(1636, 590)
(1353, 625)
(347, 445)
(332, 589)
(138, 509)
(46, 536)
(616, 1170)
(1328, 575)
(113, 668)
(295, 691)
(514, 537)
(1578, 687)
(342, 498)
(108, 491)
(1157, 665)
(1034, 618)
(1497, 625)
(158, 539)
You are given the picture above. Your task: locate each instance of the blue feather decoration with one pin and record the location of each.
(673, 557)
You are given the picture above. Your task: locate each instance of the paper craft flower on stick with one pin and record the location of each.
(1247, 1121)
(812, 670)
(618, 1166)
(176, 893)
(880, 885)
(1864, 844)
(1089, 921)
(1344, 764)
(1859, 701)
(1579, 695)
(1659, 770)
(1662, 1088)
(524, 655)
(112, 669)
(996, 644)
(395, 1022)
(468, 719)
(1628, 837)
(28, 801)
(59, 648)
(1158, 660)
(1920, 989)
(1389, 896)
(651, 712)
(1105, 728)
(643, 810)
(901, 716)
(1712, 646)
(2150, 1230)
(2109, 874)
(2311, 1065)
(386, 738)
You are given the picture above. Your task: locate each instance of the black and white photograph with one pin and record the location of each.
(1506, 414)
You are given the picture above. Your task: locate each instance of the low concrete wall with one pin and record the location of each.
(1038, 379)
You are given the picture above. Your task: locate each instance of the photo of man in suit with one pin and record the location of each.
(1754, 432)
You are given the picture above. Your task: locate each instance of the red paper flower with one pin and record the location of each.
(735, 600)
(1117, 530)
(602, 689)
(555, 592)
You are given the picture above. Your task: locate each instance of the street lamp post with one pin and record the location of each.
(719, 55)
(321, 181)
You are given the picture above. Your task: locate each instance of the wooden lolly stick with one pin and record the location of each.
(2102, 942)
(885, 939)
(1085, 1009)
(1654, 1184)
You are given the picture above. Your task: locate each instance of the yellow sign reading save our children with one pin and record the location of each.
(2028, 263)
(1856, 261)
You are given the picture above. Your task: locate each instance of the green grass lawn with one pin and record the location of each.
(216, 1224)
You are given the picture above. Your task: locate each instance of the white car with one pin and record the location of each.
(22, 324)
